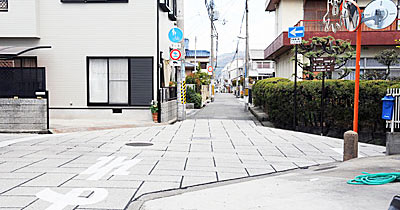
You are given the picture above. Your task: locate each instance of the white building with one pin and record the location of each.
(260, 68)
(105, 54)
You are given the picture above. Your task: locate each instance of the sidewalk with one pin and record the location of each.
(318, 188)
(68, 126)
(113, 169)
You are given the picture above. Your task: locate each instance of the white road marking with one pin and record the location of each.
(107, 164)
(60, 201)
(14, 141)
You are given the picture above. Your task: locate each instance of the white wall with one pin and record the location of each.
(287, 14)
(21, 19)
(78, 30)
(284, 66)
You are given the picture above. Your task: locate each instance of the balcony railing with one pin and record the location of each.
(22, 82)
(318, 26)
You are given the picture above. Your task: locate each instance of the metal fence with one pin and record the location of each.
(22, 82)
(395, 122)
(168, 94)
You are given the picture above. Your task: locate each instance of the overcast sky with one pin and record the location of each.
(197, 23)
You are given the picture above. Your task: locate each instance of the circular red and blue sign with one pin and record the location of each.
(175, 54)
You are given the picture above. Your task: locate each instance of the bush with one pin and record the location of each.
(193, 97)
(276, 97)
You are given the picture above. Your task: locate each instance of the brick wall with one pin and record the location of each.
(23, 115)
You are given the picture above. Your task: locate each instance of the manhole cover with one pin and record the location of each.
(139, 144)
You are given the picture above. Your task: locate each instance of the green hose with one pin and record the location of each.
(375, 179)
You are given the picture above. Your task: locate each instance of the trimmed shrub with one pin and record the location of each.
(276, 97)
(193, 97)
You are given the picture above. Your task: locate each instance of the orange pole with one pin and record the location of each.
(357, 82)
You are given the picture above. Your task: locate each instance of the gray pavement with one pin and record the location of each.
(318, 188)
(225, 106)
(97, 170)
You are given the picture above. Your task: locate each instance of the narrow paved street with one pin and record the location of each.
(225, 106)
(98, 170)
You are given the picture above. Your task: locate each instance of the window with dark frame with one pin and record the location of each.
(108, 81)
(120, 81)
(3, 5)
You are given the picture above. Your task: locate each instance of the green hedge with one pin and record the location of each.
(193, 97)
(276, 97)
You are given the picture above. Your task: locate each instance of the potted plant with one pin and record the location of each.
(154, 110)
(172, 84)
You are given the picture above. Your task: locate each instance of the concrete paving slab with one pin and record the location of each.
(187, 153)
(305, 189)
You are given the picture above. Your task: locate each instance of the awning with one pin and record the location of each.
(11, 52)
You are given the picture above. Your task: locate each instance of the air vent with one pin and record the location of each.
(117, 111)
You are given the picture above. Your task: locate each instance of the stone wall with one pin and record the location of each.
(169, 111)
(23, 115)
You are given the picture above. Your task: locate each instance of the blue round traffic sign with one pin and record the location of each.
(175, 35)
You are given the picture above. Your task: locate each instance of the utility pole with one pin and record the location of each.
(212, 46)
(238, 74)
(195, 53)
(181, 115)
(246, 72)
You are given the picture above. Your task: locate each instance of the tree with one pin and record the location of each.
(318, 47)
(388, 58)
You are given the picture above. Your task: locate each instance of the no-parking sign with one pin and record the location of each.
(175, 54)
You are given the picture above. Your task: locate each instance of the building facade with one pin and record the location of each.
(309, 13)
(104, 57)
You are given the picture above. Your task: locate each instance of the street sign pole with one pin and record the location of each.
(357, 82)
(322, 103)
(295, 34)
(295, 89)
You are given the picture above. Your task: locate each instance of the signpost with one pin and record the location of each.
(323, 65)
(295, 34)
(175, 54)
(175, 35)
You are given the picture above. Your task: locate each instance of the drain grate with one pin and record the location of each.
(139, 144)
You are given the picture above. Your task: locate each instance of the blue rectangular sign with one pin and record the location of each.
(296, 32)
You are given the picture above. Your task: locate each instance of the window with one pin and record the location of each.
(108, 81)
(165, 5)
(120, 81)
(266, 65)
(94, 1)
(3, 5)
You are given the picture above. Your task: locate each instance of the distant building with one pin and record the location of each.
(196, 58)
(260, 68)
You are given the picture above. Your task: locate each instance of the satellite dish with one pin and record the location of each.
(351, 15)
(380, 14)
